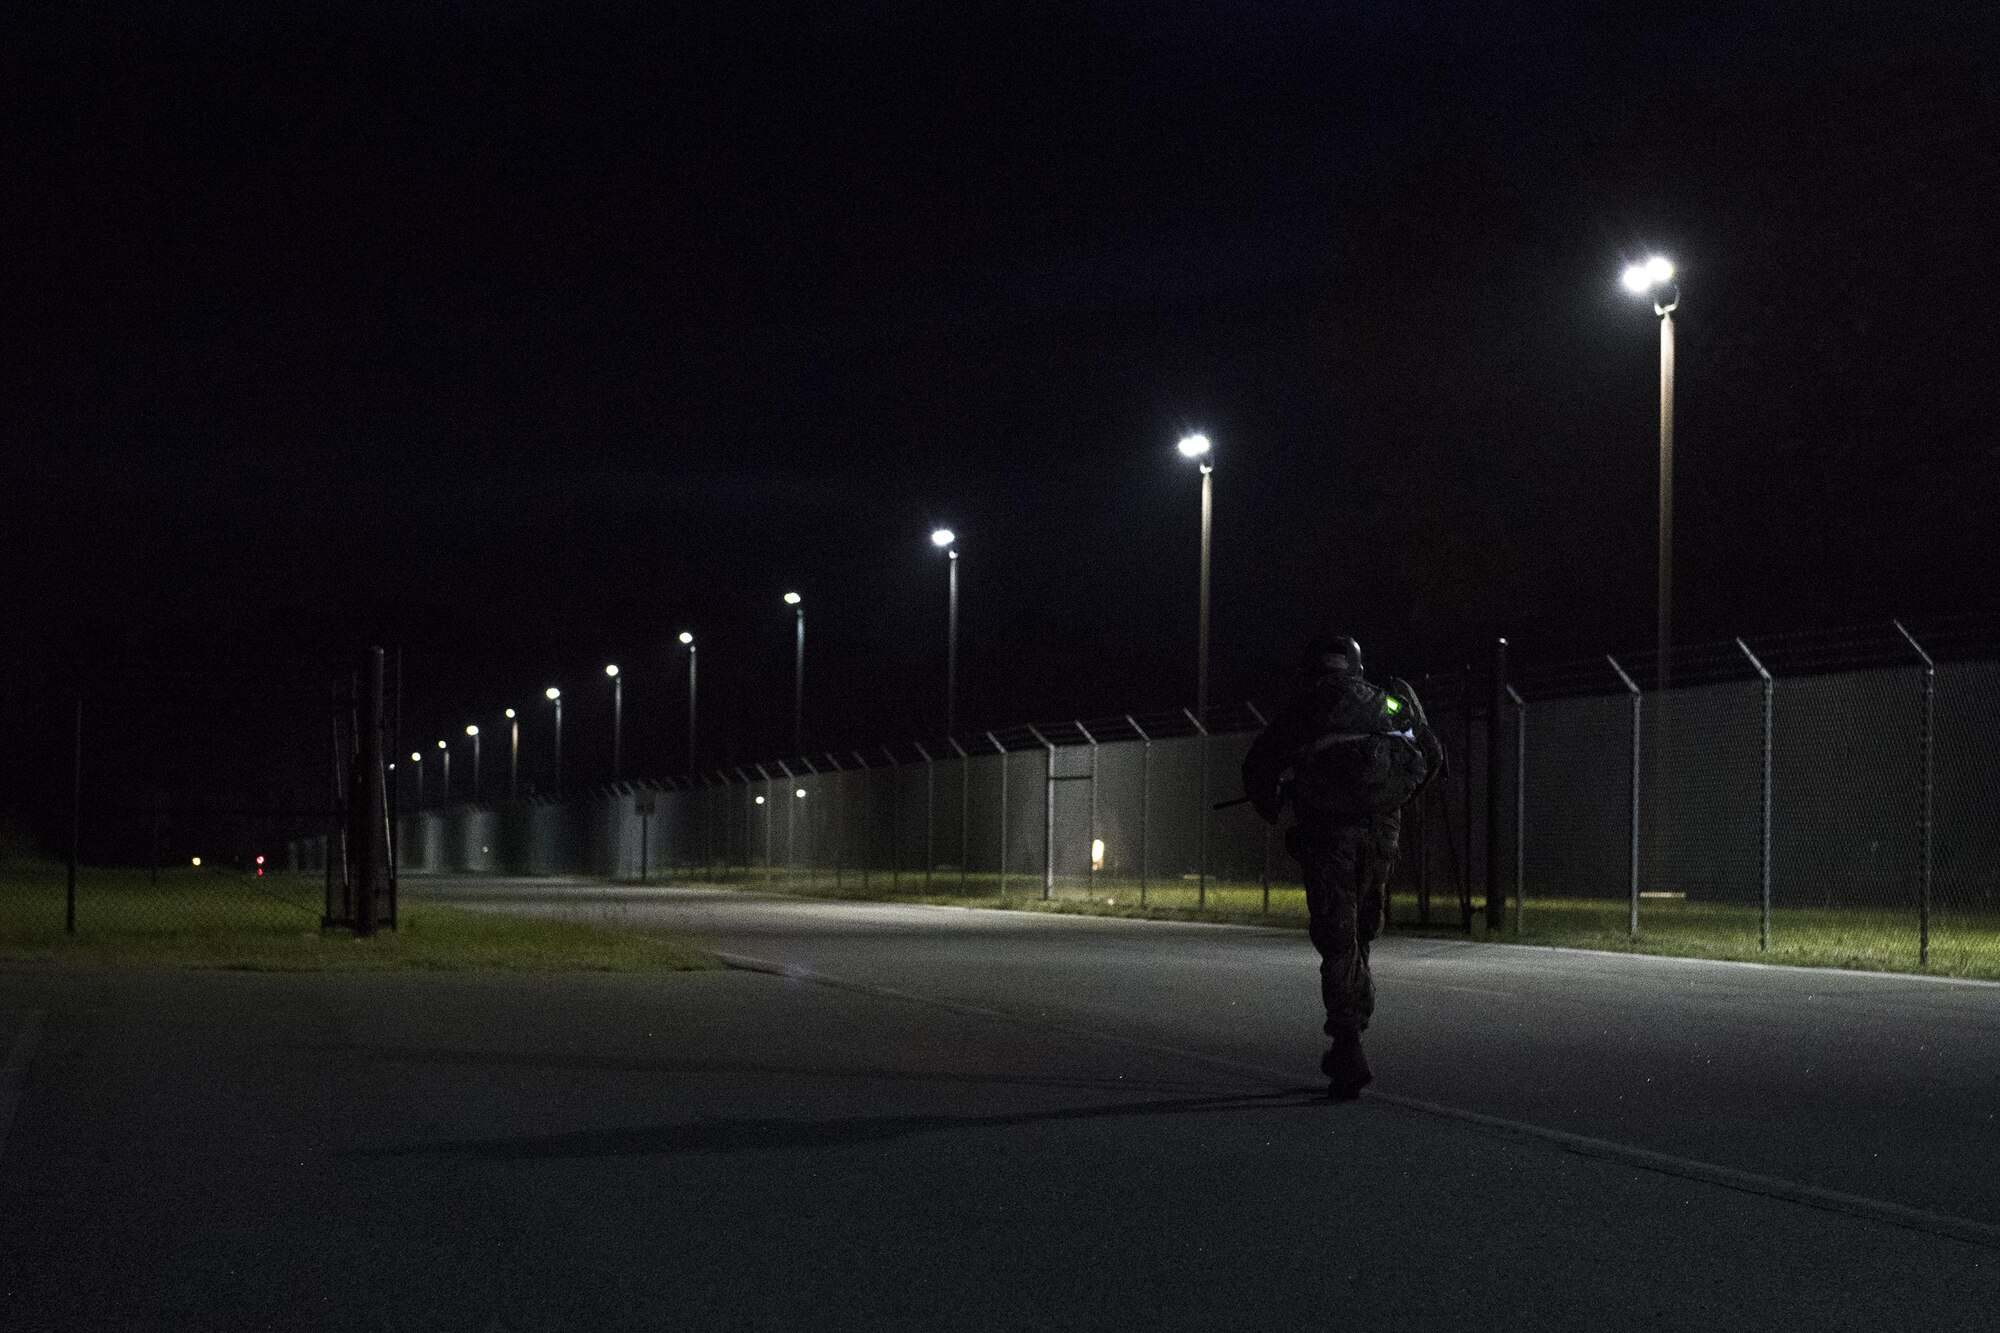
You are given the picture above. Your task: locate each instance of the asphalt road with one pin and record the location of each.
(923, 1117)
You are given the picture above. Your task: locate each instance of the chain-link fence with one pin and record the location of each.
(1805, 798)
(1822, 798)
(162, 830)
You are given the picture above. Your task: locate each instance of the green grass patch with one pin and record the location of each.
(1962, 944)
(1965, 944)
(229, 920)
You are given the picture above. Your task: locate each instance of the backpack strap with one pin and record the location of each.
(1308, 753)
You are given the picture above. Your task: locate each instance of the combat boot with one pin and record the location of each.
(1345, 1067)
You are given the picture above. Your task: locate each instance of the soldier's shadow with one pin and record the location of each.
(763, 1134)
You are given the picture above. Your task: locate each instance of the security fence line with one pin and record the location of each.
(1825, 798)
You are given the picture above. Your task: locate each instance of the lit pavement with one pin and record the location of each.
(944, 1118)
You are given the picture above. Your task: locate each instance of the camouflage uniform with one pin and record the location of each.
(1345, 849)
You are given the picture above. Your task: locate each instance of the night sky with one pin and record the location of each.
(524, 336)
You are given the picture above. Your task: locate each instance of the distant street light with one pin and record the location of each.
(554, 696)
(687, 641)
(513, 756)
(1655, 278)
(418, 759)
(617, 719)
(1197, 447)
(474, 733)
(947, 540)
(447, 772)
(792, 599)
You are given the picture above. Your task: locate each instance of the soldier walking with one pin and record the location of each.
(1347, 756)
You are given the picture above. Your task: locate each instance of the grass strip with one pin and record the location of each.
(1963, 943)
(221, 919)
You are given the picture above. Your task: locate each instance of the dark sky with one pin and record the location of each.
(526, 335)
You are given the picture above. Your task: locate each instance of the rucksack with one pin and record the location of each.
(1356, 772)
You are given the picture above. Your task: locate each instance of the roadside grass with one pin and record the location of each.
(1964, 944)
(225, 919)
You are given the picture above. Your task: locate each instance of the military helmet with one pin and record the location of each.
(1331, 654)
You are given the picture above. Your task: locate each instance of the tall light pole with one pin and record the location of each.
(554, 696)
(447, 773)
(1655, 278)
(1197, 447)
(947, 540)
(513, 756)
(417, 758)
(687, 641)
(617, 719)
(473, 732)
(792, 599)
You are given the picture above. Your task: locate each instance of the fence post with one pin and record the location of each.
(895, 823)
(1924, 851)
(791, 856)
(715, 803)
(765, 774)
(700, 803)
(719, 811)
(75, 819)
(1496, 896)
(1091, 836)
(1465, 800)
(681, 819)
(1201, 885)
(1003, 810)
(867, 815)
(839, 823)
(1634, 926)
(1049, 826)
(964, 814)
(930, 814)
(811, 813)
(392, 796)
(1520, 807)
(749, 813)
(1261, 722)
(1145, 780)
(835, 818)
(1764, 819)
(371, 796)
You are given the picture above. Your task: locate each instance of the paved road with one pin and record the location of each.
(1882, 1086)
(1050, 1122)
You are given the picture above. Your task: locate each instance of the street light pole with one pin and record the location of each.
(417, 758)
(447, 773)
(1666, 314)
(951, 648)
(1197, 447)
(474, 733)
(948, 540)
(617, 720)
(1207, 509)
(1655, 277)
(688, 640)
(554, 696)
(513, 756)
(792, 599)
